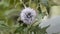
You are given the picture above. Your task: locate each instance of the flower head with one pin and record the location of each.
(28, 15)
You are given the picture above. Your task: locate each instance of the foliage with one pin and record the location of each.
(9, 13)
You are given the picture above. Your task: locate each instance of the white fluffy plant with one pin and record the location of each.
(28, 15)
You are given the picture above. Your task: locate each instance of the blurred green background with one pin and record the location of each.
(10, 10)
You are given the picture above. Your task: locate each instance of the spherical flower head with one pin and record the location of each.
(28, 15)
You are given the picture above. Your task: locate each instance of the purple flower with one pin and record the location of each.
(28, 15)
